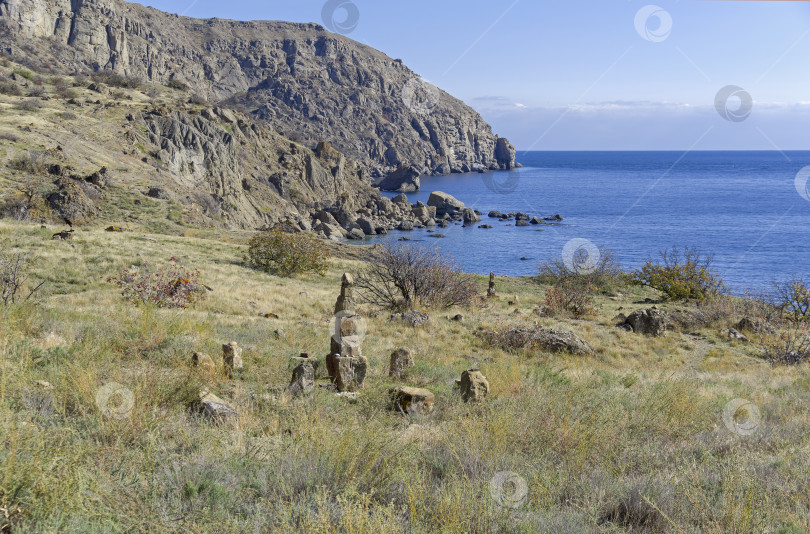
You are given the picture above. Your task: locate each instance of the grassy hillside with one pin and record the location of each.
(631, 438)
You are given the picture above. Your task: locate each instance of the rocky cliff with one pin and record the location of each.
(309, 84)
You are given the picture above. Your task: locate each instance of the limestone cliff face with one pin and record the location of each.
(308, 83)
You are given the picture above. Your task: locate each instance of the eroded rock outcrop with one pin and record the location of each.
(299, 77)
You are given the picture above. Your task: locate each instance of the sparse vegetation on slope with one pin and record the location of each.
(100, 432)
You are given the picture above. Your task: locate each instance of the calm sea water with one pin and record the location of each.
(743, 207)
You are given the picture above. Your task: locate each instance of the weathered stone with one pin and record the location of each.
(505, 154)
(522, 223)
(732, 333)
(474, 386)
(411, 401)
(403, 180)
(445, 204)
(562, 341)
(491, 289)
(214, 408)
(755, 325)
(345, 302)
(469, 216)
(232, 357)
(554, 218)
(366, 226)
(303, 380)
(401, 361)
(349, 372)
(204, 362)
(650, 322)
(400, 199)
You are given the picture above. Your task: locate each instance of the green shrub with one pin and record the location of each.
(24, 73)
(286, 254)
(177, 84)
(681, 275)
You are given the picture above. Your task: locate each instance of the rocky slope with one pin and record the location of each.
(310, 84)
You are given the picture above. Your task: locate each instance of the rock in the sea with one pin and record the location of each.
(474, 386)
(469, 216)
(411, 401)
(522, 222)
(366, 226)
(505, 154)
(495, 214)
(401, 361)
(486, 226)
(403, 180)
(536, 220)
(650, 322)
(554, 218)
(445, 204)
(405, 226)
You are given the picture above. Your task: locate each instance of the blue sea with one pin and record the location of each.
(748, 209)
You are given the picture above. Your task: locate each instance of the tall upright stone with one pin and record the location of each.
(345, 362)
(232, 357)
(345, 301)
(491, 289)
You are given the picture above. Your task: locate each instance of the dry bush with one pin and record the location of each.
(8, 87)
(569, 297)
(29, 105)
(402, 277)
(286, 254)
(603, 277)
(32, 162)
(792, 299)
(5, 136)
(791, 347)
(681, 275)
(14, 275)
(172, 286)
(116, 80)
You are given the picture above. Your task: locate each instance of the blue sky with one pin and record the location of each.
(585, 75)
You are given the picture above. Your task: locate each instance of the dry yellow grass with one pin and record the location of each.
(631, 438)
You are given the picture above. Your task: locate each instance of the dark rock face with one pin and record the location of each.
(505, 154)
(299, 77)
(402, 180)
(650, 322)
(445, 204)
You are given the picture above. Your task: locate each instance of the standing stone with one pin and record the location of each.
(474, 386)
(401, 361)
(349, 372)
(411, 401)
(205, 363)
(491, 290)
(303, 380)
(232, 357)
(345, 301)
